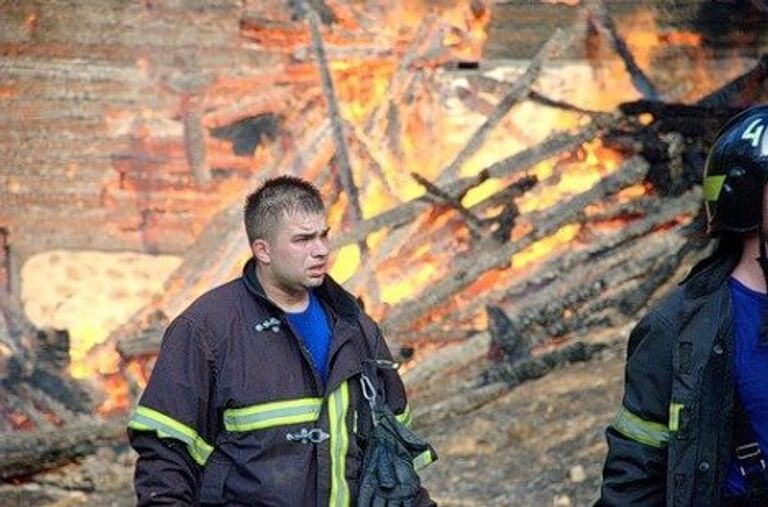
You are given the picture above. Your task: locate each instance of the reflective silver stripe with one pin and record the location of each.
(638, 429)
(338, 405)
(147, 419)
(712, 186)
(277, 413)
(405, 418)
(422, 460)
(674, 416)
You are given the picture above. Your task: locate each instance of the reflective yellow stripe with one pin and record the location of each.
(638, 429)
(147, 419)
(405, 418)
(277, 413)
(674, 416)
(422, 460)
(712, 187)
(338, 405)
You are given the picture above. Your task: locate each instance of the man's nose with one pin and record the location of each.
(320, 248)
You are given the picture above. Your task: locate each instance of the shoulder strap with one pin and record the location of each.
(749, 455)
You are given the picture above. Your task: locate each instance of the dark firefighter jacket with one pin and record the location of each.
(671, 441)
(235, 414)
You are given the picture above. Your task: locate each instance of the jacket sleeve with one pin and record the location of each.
(173, 427)
(635, 471)
(396, 398)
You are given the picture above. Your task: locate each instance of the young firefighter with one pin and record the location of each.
(255, 398)
(693, 425)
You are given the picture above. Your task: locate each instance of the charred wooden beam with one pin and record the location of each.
(675, 143)
(361, 141)
(559, 104)
(499, 226)
(342, 151)
(146, 340)
(636, 298)
(518, 91)
(514, 374)
(475, 225)
(18, 341)
(465, 402)
(493, 256)
(303, 8)
(743, 91)
(248, 132)
(194, 146)
(505, 337)
(689, 120)
(25, 453)
(67, 391)
(563, 283)
(602, 20)
(576, 301)
(555, 144)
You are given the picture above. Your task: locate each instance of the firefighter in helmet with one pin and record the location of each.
(693, 426)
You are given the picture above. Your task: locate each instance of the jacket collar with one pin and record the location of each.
(330, 292)
(711, 273)
(709, 277)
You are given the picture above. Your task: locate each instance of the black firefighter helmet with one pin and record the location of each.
(736, 173)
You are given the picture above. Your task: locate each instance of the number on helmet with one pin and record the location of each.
(754, 132)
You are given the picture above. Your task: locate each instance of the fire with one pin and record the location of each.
(650, 42)
(87, 335)
(414, 282)
(644, 35)
(31, 21)
(681, 38)
(118, 395)
(544, 247)
(106, 368)
(359, 84)
(20, 421)
(138, 371)
(397, 125)
(7, 92)
(593, 161)
(445, 134)
(632, 192)
(481, 192)
(345, 264)
(90, 294)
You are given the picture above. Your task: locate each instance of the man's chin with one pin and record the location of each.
(314, 281)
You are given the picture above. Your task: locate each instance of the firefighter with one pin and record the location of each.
(693, 426)
(255, 397)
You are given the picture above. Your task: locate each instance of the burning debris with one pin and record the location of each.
(45, 416)
(607, 188)
(554, 220)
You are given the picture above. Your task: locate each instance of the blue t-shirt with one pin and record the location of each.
(313, 328)
(751, 369)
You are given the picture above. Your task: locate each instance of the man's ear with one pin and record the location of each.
(261, 251)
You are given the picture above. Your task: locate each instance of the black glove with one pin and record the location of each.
(388, 476)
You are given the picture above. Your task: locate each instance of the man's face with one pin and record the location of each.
(296, 257)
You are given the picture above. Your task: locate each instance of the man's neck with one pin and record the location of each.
(287, 300)
(748, 271)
